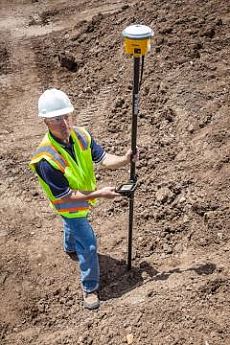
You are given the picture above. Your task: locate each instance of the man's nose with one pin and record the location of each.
(65, 122)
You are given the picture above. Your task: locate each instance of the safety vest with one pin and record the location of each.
(79, 174)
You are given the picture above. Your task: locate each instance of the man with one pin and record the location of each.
(63, 163)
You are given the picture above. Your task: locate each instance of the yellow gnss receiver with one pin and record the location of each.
(137, 39)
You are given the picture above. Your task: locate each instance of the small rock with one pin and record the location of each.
(164, 194)
(41, 308)
(191, 128)
(185, 219)
(182, 199)
(144, 275)
(119, 102)
(129, 338)
(220, 235)
(88, 90)
(167, 248)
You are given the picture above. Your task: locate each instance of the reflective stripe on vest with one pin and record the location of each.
(70, 206)
(53, 154)
(82, 139)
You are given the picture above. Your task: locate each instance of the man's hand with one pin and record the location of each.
(105, 192)
(108, 192)
(115, 162)
(130, 157)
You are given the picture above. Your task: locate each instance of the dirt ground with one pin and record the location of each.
(178, 291)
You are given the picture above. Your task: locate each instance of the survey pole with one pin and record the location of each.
(136, 44)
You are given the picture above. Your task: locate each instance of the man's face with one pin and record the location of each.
(60, 126)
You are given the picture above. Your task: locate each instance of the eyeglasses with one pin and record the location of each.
(58, 119)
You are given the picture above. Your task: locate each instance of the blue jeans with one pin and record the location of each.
(79, 237)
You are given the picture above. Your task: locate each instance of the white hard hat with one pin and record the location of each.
(53, 103)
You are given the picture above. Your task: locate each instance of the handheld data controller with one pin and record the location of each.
(126, 189)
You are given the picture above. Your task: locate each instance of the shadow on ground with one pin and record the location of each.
(116, 280)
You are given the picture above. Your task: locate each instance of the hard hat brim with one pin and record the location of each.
(57, 112)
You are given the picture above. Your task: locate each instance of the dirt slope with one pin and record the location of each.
(178, 290)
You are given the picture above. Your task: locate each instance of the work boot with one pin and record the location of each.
(91, 300)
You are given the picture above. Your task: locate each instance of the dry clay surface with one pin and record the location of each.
(177, 292)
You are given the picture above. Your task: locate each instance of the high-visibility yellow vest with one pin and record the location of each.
(79, 174)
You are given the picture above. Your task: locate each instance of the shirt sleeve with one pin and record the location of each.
(55, 179)
(98, 153)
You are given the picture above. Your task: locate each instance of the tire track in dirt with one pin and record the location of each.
(95, 110)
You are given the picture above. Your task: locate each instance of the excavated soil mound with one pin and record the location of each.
(177, 292)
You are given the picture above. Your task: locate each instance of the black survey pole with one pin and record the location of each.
(133, 178)
(136, 44)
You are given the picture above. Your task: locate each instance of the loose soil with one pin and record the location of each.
(177, 292)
